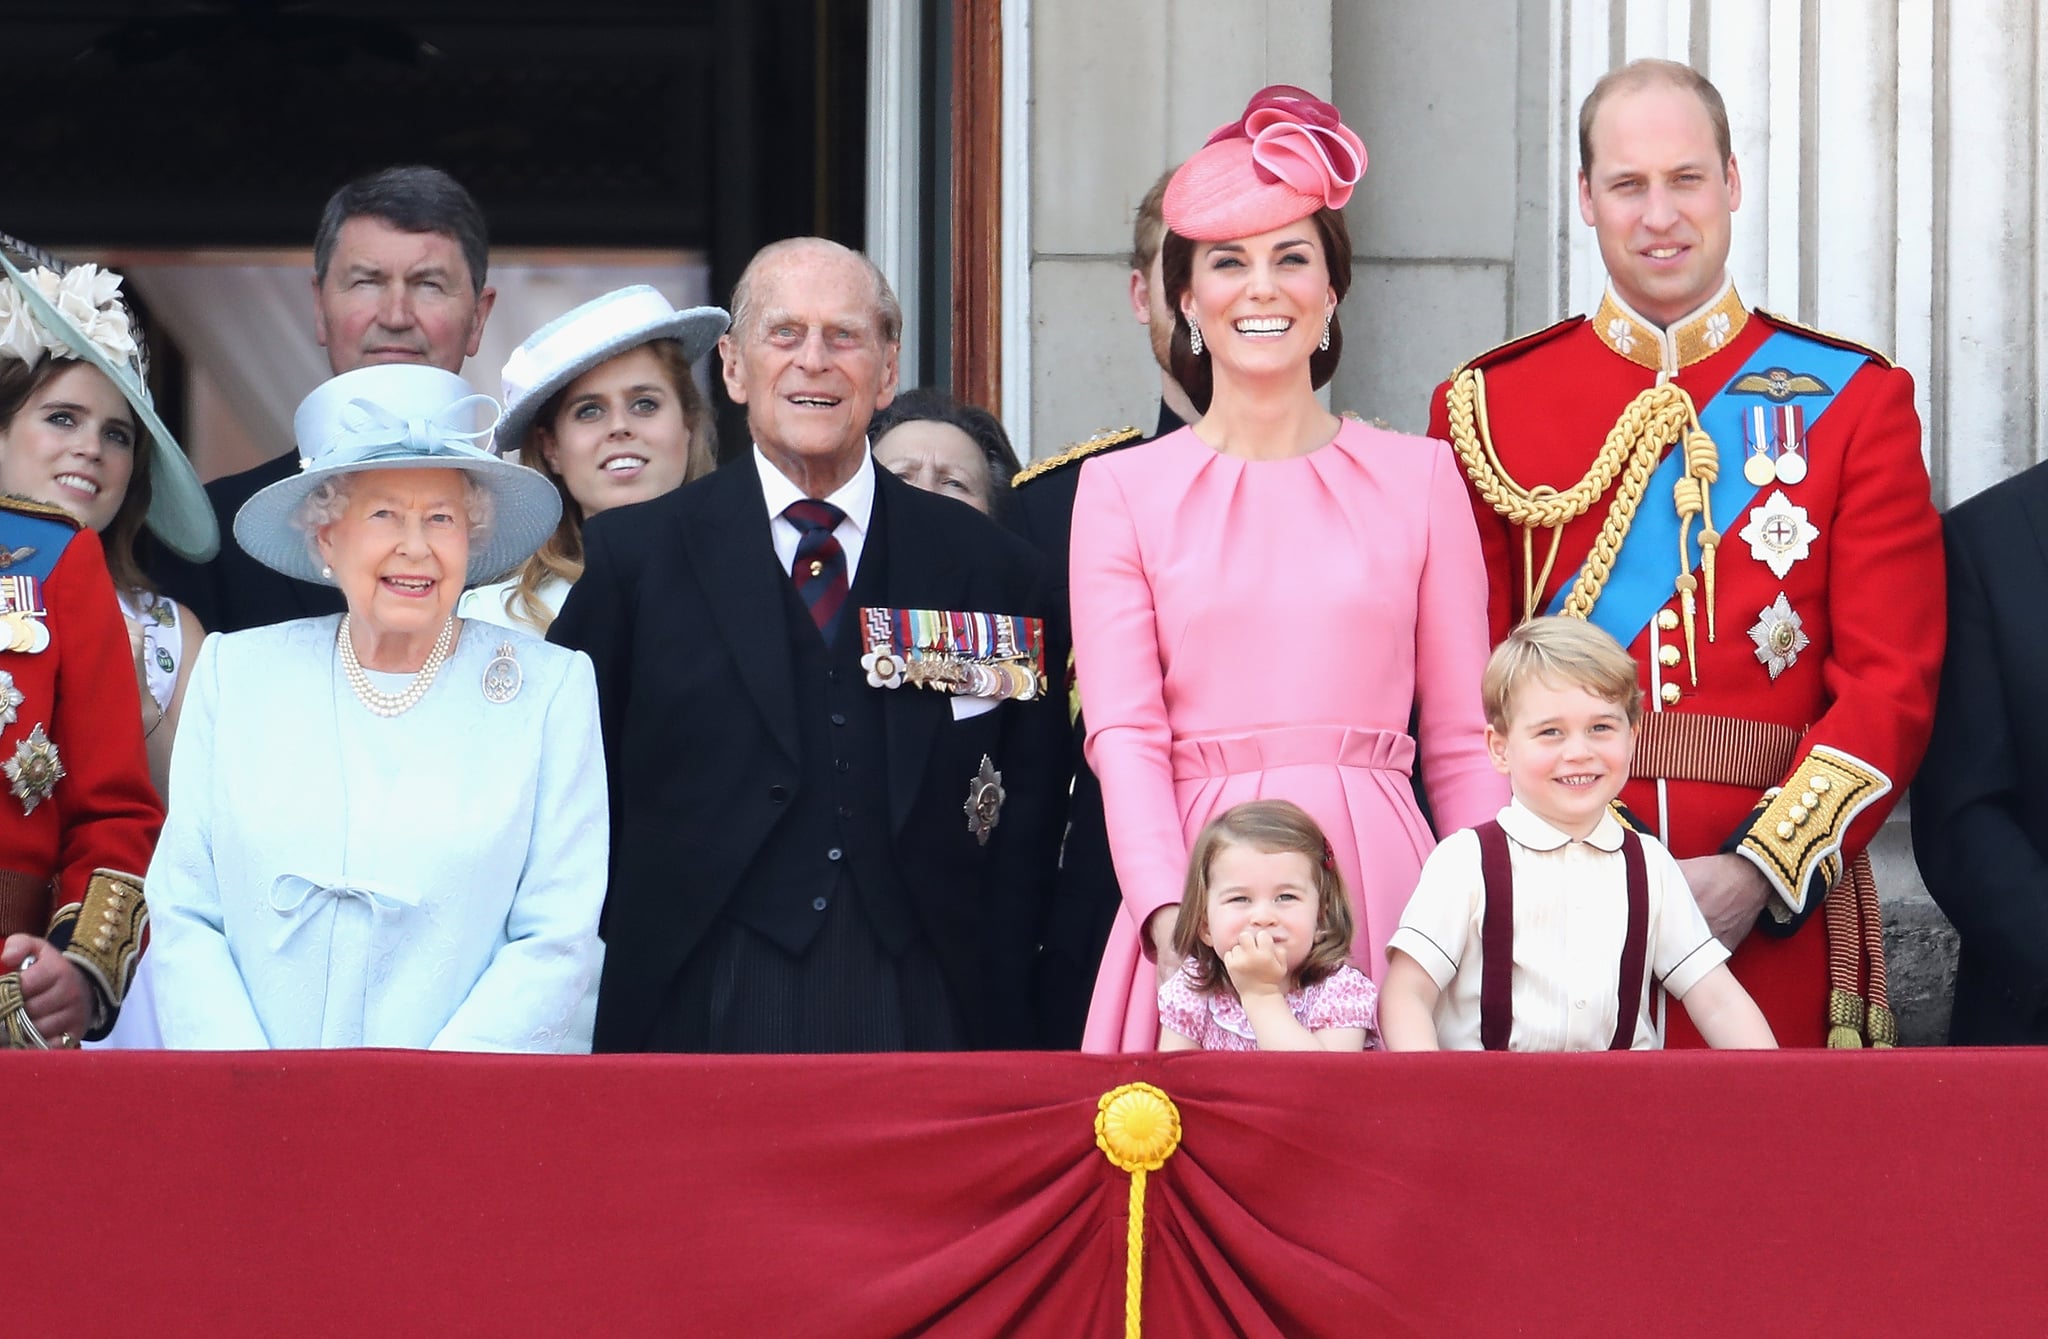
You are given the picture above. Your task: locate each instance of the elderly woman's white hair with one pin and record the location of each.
(328, 502)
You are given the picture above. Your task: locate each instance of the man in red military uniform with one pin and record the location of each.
(82, 817)
(1743, 503)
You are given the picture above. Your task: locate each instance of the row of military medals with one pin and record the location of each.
(1779, 533)
(973, 655)
(34, 770)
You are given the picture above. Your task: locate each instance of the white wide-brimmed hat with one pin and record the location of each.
(399, 416)
(50, 308)
(583, 337)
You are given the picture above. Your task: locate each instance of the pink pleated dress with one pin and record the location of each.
(1260, 630)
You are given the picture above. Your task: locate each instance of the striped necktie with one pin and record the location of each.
(820, 567)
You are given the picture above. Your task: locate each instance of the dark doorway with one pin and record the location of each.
(707, 125)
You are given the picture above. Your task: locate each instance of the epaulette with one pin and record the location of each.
(1627, 818)
(28, 506)
(1101, 441)
(1827, 337)
(1529, 341)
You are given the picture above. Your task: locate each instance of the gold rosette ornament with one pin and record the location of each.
(1137, 1127)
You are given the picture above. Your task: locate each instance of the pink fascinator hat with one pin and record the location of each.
(1286, 157)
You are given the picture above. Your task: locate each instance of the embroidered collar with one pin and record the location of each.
(1686, 341)
(1522, 824)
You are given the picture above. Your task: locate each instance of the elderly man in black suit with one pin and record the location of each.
(1980, 802)
(810, 850)
(399, 262)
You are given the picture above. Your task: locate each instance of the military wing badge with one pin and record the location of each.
(1780, 384)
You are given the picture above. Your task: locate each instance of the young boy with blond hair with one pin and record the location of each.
(1548, 928)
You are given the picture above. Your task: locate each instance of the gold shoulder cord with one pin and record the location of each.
(1659, 417)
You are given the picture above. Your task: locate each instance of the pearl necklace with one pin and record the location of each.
(388, 705)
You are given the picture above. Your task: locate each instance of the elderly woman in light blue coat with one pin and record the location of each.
(387, 828)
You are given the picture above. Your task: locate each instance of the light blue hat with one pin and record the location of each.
(47, 306)
(594, 333)
(399, 416)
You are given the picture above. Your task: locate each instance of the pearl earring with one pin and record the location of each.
(327, 572)
(1195, 338)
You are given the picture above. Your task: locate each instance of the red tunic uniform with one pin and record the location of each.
(1787, 729)
(82, 816)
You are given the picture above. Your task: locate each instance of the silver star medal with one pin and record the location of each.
(1779, 534)
(502, 677)
(1779, 637)
(34, 769)
(985, 797)
(10, 699)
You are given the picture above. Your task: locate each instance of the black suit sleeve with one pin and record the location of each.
(596, 620)
(1971, 830)
(1024, 855)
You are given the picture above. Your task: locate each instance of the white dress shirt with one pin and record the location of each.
(1571, 915)
(855, 497)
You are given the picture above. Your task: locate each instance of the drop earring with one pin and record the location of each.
(1325, 345)
(1195, 339)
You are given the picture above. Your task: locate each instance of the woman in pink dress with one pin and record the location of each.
(1261, 598)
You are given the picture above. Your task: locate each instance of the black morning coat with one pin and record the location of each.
(1980, 801)
(681, 609)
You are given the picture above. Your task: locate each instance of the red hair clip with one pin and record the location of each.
(1329, 856)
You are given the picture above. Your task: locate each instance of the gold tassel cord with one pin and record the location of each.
(1137, 1127)
(1658, 418)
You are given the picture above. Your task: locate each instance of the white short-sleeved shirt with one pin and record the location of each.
(1571, 915)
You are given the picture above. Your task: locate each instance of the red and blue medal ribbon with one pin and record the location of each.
(963, 652)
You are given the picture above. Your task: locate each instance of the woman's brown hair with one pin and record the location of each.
(19, 382)
(561, 554)
(1176, 270)
(1271, 826)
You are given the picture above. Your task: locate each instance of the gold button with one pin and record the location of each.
(1810, 800)
(1821, 784)
(1796, 814)
(1671, 694)
(1667, 656)
(1785, 831)
(1667, 619)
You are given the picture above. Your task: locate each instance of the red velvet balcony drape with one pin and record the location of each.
(393, 1193)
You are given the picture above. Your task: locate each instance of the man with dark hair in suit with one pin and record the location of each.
(810, 851)
(399, 263)
(1041, 509)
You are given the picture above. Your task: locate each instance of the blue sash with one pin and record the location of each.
(47, 538)
(1639, 583)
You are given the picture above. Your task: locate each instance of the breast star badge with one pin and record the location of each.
(985, 797)
(1779, 534)
(1779, 637)
(34, 770)
(10, 699)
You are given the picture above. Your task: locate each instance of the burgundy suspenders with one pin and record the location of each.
(1497, 939)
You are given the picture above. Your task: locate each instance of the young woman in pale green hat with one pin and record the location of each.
(78, 431)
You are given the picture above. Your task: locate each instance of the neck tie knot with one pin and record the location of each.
(810, 515)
